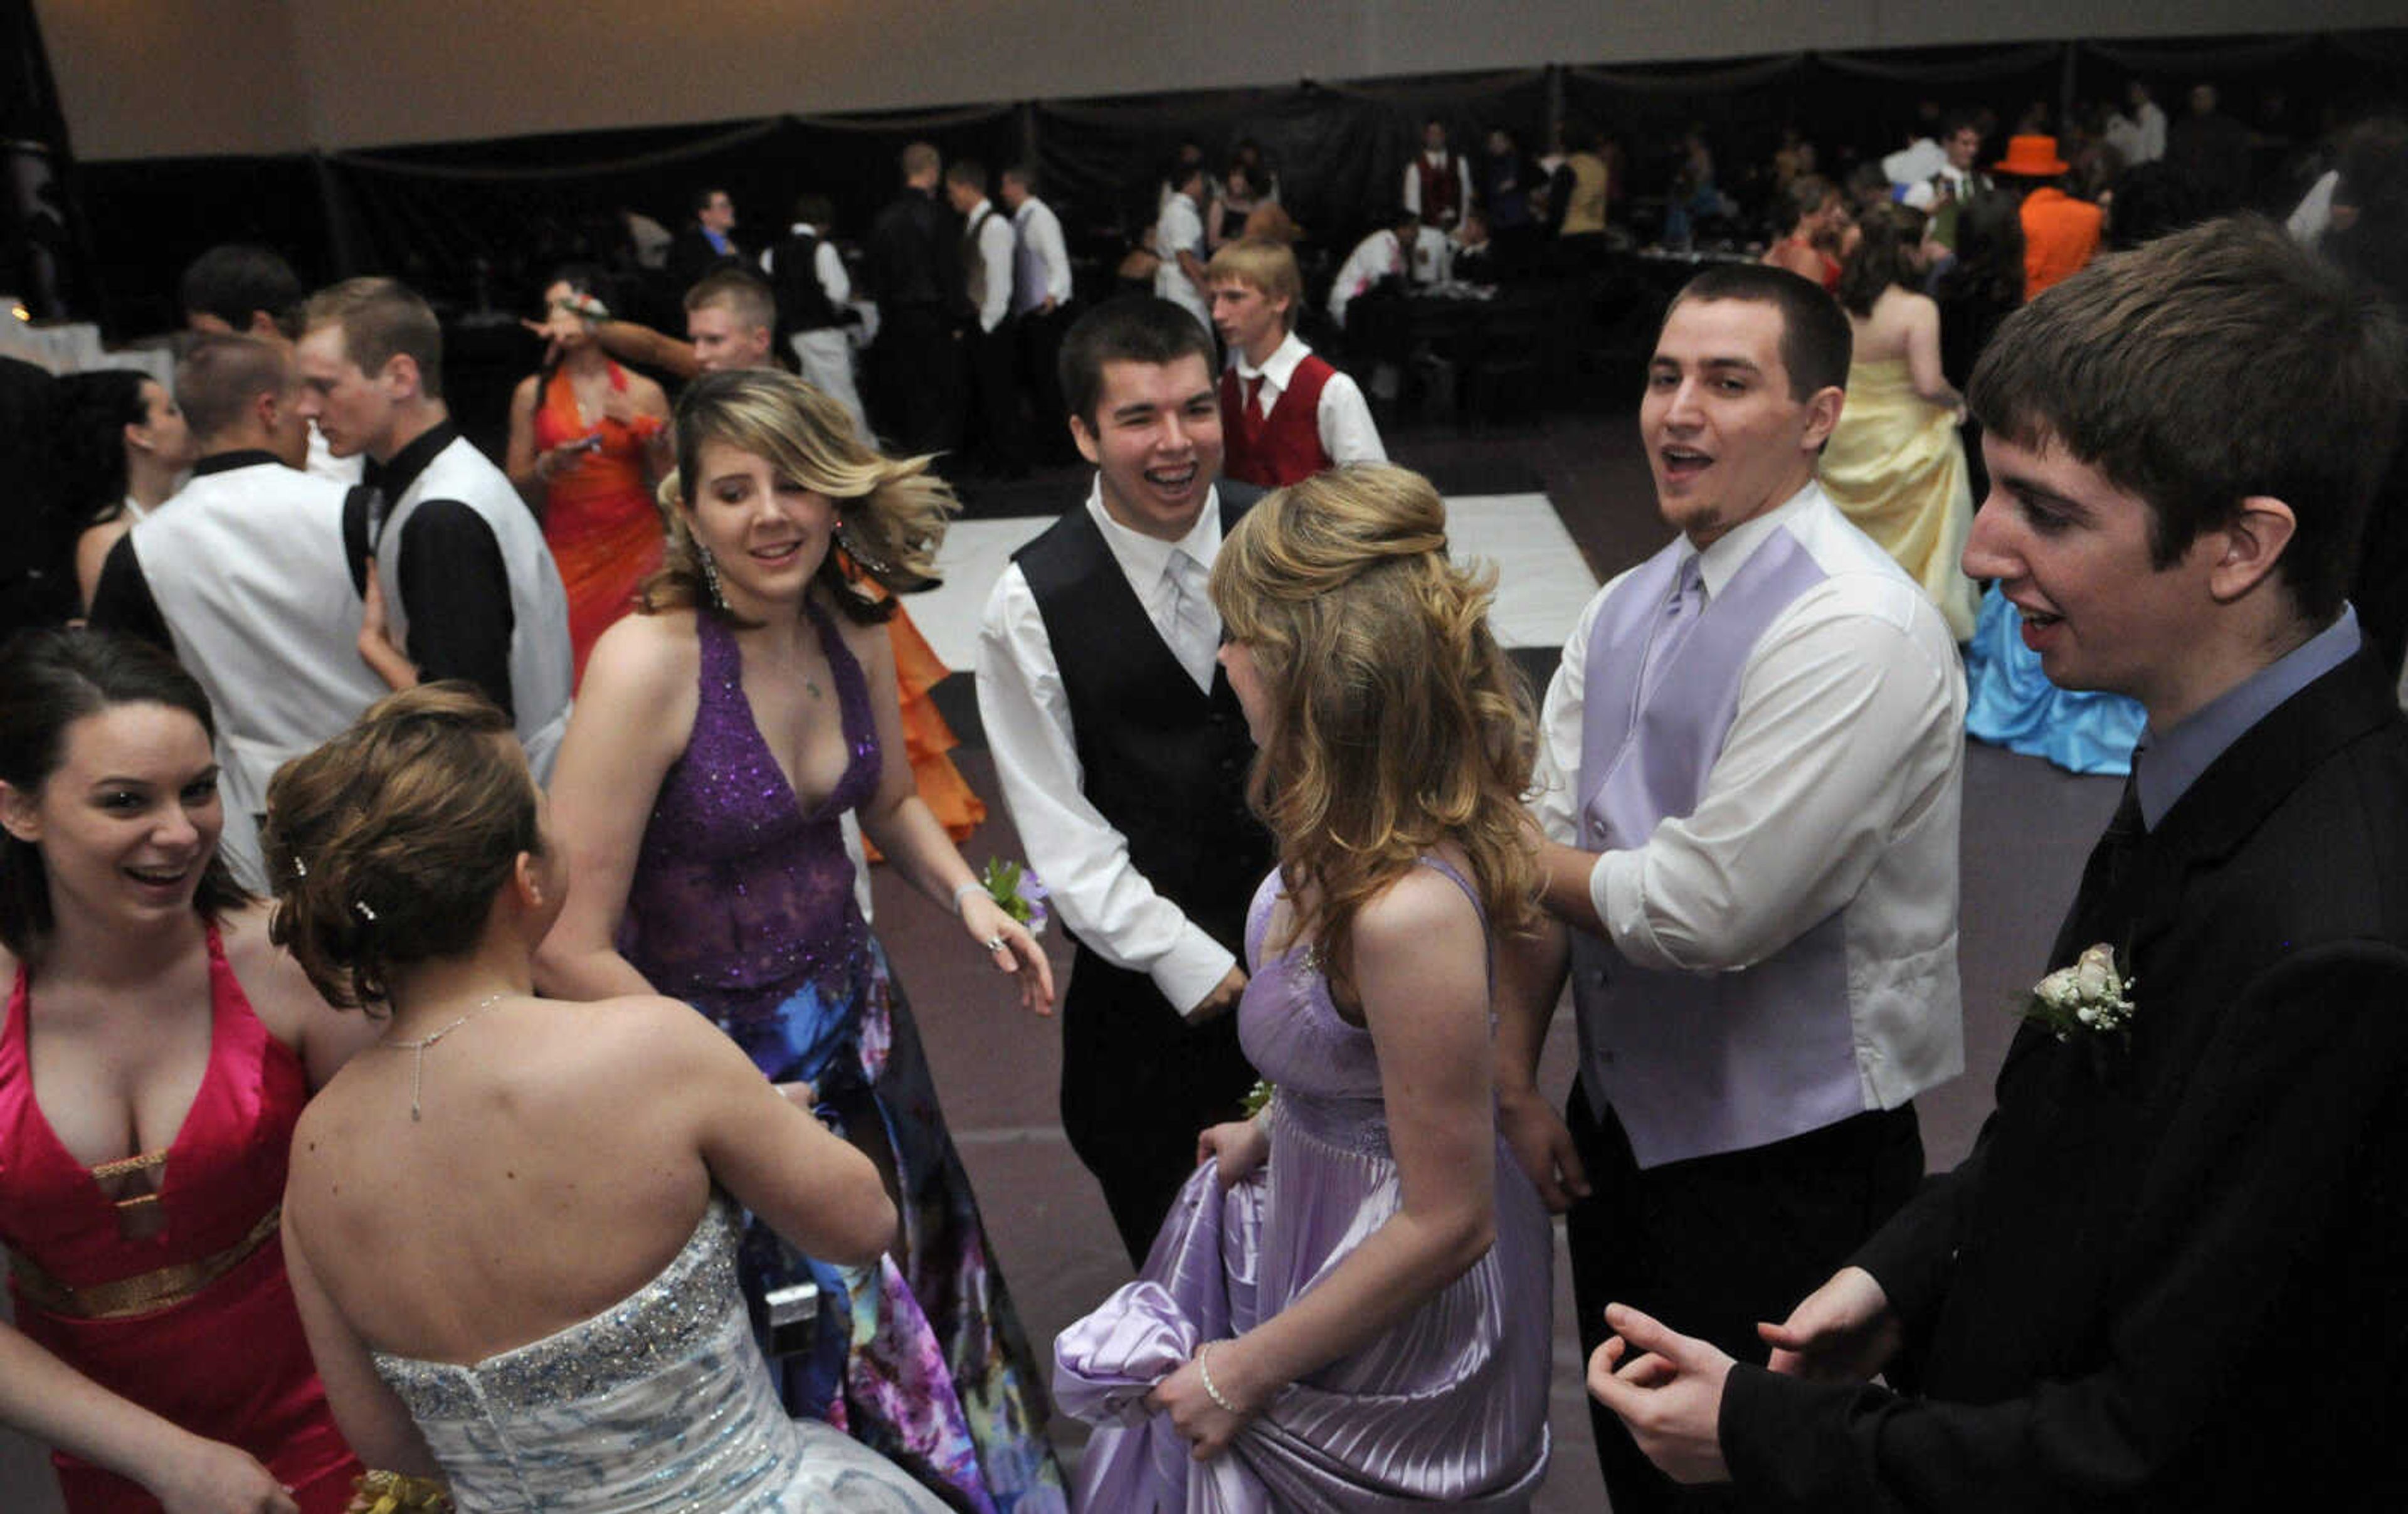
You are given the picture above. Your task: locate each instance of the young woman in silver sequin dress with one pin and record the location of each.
(511, 1223)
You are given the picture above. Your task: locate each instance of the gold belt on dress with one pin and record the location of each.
(144, 1291)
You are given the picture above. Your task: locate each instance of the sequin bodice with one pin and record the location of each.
(660, 1402)
(739, 890)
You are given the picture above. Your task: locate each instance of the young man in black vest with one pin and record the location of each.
(2169, 1275)
(992, 335)
(1123, 754)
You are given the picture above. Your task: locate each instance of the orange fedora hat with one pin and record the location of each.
(2031, 157)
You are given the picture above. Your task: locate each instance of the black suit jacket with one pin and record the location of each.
(691, 256)
(2175, 1271)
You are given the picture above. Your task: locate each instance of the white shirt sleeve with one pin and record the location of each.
(1413, 185)
(1044, 233)
(1362, 265)
(1344, 421)
(1557, 770)
(995, 249)
(1082, 858)
(1846, 729)
(829, 265)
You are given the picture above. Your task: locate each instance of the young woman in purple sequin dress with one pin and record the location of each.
(718, 738)
(1346, 1310)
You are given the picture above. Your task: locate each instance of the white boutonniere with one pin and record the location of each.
(2093, 997)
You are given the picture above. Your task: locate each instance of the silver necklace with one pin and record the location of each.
(418, 1065)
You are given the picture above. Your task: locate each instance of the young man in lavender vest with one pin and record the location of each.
(1750, 773)
(2169, 1275)
(1123, 754)
(1285, 414)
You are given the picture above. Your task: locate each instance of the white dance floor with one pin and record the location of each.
(1542, 582)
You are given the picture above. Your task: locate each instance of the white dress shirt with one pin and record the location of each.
(994, 245)
(1838, 785)
(1342, 418)
(1082, 858)
(826, 262)
(1180, 230)
(1437, 160)
(1041, 231)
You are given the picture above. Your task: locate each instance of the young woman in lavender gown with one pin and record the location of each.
(510, 1284)
(719, 736)
(1344, 1310)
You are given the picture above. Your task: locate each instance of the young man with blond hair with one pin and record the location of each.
(1285, 414)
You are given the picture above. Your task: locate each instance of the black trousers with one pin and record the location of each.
(1040, 376)
(1001, 442)
(1139, 1084)
(1713, 1245)
(919, 372)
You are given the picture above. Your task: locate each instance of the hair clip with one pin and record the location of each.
(300, 869)
(365, 914)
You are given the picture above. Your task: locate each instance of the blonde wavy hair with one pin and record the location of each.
(1396, 721)
(892, 510)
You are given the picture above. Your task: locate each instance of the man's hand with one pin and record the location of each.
(1667, 1390)
(1535, 1135)
(1843, 1332)
(1223, 998)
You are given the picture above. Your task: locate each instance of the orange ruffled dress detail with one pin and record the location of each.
(926, 738)
(599, 515)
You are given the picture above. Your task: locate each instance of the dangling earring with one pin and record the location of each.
(710, 578)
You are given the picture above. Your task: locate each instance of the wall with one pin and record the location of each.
(275, 76)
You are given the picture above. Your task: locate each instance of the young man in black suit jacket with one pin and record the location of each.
(2173, 1274)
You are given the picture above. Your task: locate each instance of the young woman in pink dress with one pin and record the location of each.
(155, 1054)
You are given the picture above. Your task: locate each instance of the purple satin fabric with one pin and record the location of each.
(1447, 1407)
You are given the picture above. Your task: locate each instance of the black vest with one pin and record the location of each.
(803, 303)
(1163, 762)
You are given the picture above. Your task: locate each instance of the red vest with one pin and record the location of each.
(1281, 448)
(1441, 190)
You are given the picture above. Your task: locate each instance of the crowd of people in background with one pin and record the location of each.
(534, 751)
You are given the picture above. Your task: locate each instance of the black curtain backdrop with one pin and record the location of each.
(478, 225)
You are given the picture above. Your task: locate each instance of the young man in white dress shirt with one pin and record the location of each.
(1123, 754)
(1179, 239)
(1040, 303)
(1285, 414)
(1750, 776)
(814, 300)
(988, 244)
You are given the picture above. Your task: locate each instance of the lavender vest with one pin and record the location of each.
(1698, 1064)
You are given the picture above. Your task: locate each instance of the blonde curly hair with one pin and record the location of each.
(894, 509)
(1396, 722)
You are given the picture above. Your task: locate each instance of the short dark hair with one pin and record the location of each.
(49, 679)
(702, 198)
(219, 376)
(1132, 328)
(1815, 341)
(815, 210)
(2208, 365)
(235, 279)
(1022, 174)
(1962, 118)
(968, 172)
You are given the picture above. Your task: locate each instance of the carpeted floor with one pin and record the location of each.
(2027, 827)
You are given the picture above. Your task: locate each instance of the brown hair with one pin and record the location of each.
(1884, 256)
(2201, 368)
(894, 509)
(49, 679)
(386, 845)
(219, 376)
(1398, 722)
(382, 319)
(1816, 344)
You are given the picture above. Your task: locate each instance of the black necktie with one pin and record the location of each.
(2110, 866)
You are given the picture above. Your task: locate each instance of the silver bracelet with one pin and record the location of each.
(1204, 1368)
(973, 887)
